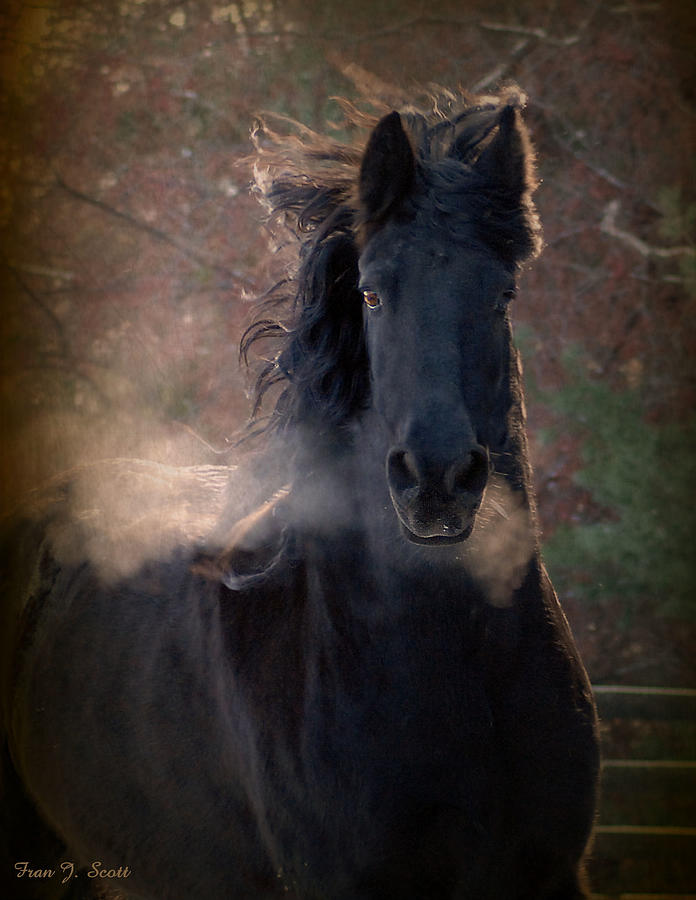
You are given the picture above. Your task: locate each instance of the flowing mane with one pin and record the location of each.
(312, 319)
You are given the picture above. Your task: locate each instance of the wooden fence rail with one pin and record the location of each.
(645, 840)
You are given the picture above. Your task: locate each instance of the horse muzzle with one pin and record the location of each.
(437, 501)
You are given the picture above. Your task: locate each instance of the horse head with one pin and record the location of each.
(441, 235)
(410, 246)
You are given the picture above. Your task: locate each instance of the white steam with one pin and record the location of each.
(502, 544)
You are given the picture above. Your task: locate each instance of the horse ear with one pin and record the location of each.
(506, 162)
(387, 170)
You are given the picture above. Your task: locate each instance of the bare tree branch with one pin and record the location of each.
(202, 259)
(64, 360)
(558, 126)
(496, 75)
(46, 271)
(38, 301)
(608, 226)
(539, 33)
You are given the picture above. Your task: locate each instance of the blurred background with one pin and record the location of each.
(131, 250)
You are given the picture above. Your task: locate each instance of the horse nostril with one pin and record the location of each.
(469, 476)
(401, 471)
(409, 476)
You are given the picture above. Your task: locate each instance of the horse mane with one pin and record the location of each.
(308, 183)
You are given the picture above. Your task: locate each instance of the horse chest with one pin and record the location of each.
(396, 761)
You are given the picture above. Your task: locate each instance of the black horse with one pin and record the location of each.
(360, 685)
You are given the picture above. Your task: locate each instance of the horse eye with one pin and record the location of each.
(372, 300)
